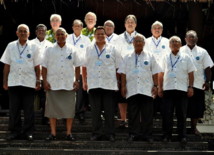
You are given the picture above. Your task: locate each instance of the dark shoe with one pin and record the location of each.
(112, 138)
(51, 137)
(183, 140)
(150, 140)
(196, 132)
(95, 137)
(123, 124)
(166, 139)
(29, 137)
(13, 137)
(70, 137)
(132, 138)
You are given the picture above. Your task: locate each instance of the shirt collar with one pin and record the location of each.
(132, 34)
(156, 40)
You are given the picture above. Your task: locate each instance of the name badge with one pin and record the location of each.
(172, 74)
(20, 61)
(136, 71)
(98, 63)
(130, 47)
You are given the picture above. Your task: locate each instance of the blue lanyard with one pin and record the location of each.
(109, 38)
(136, 59)
(21, 52)
(127, 39)
(99, 53)
(75, 42)
(173, 65)
(156, 45)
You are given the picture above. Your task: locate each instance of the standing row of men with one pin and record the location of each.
(141, 68)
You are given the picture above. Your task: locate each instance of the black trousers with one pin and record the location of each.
(21, 98)
(178, 100)
(81, 100)
(140, 114)
(102, 99)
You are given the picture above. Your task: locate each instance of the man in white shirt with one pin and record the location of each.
(81, 42)
(175, 86)
(61, 72)
(111, 37)
(99, 78)
(202, 78)
(21, 78)
(42, 43)
(158, 46)
(125, 44)
(139, 79)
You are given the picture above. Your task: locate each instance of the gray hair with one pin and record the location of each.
(61, 29)
(91, 13)
(191, 32)
(56, 16)
(23, 25)
(78, 22)
(175, 38)
(41, 25)
(157, 23)
(131, 17)
(109, 21)
(139, 35)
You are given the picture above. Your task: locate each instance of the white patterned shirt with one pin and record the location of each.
(60, 64)
(158, 47)
(124, 43)
(176, 69)
(81, 42)
(22, 61)
(139, 71)
(42, 45)
(201, 60)
(101, 71)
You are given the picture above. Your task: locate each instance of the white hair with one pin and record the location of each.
(56, 16)
(157, 23)
(109, 21)
(191, 32)
(176, 38)
(61, 29)
(92, 14)
(25, 26)
(78, 22)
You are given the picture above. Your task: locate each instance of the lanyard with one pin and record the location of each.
(99, 53)
(136, 59)
(109, 38)
(21, 52)
(173, 65)
(127, 39)
(156, 45)
(75, 42)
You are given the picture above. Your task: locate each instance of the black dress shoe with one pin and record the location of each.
(13, 137)
(95, 137)
(70, 137)
(50, 137)
(112, 138)
(132, 138)
(166, 139)
(183, 140)
(30, 137)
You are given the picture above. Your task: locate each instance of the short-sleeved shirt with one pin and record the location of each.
(50, 36)
(22, 61)
(60, 64)
(42, 45)
(125, 43)
(158, 47)
(101, 70)
(176, 69)
(81, 42)
(87, 33)
(139, 70)
(201, 60)
(112, 39)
